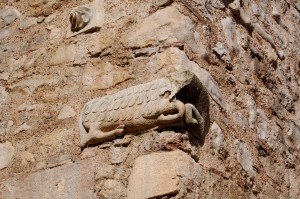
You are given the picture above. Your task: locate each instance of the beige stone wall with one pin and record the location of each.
(246, 54)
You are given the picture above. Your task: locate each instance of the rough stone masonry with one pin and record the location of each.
(55, 56)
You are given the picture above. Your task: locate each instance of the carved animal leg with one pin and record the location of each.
(194, 121)
(172, 118)
(98, 136)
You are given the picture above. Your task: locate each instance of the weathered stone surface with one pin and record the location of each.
(118, 154)
(6, 154)
(153, 176)
(66, 112)
(3, 96)
(229, 32)
(252, 111)
(69, 181)
(112, 189)
(22, 128)
(55, 34)
(8, 15)
(5, 127)
(103, 75)
(95, 18)
(294, 134)
(27, 22)
(244, 157)
(218, 140)
(174, 59)
(64, 54)
(167, 25)
(27, 157)
(266, 129)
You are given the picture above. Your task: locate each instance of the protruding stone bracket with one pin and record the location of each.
(177, 100)
(86, 18)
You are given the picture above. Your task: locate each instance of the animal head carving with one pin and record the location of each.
(79, 18)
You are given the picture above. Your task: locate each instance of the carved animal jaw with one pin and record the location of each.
(79, 18)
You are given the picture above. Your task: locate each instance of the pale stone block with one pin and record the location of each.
(160, 174)
(6, 154)
(65, 182)
(64, 54)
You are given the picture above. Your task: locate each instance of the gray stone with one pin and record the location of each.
(244, 157)
(3, 96)
(240, 119)
(65, 182)
(27, 22)
(9, 15)
(6, 154)
(66, 112)
(252, 111)
(5, 33)
(294, 134)
(217, 135)
(161, 174)
(229, 31)
(221, 51)
(5, 127)
(266, 129)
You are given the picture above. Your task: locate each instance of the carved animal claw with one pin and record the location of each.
(120, 130)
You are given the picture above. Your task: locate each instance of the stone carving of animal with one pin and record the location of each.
(79, 18)
(146, 106)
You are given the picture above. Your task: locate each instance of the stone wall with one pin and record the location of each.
(245, 52)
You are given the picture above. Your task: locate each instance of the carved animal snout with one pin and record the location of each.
(79, 18)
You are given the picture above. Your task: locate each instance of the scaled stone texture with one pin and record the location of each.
(178, 100)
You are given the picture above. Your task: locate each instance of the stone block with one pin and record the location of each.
(64, 54)
(65, 182)
(161, 174)
(6, 154)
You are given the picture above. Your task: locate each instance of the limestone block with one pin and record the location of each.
(166, 25)
(95, 15)
(6, 154)
(66, 112)
(68, 181)
(27, 22)
(174, 59)
(161, 174)
(64, 54)
(103, 75)
(8, 15)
